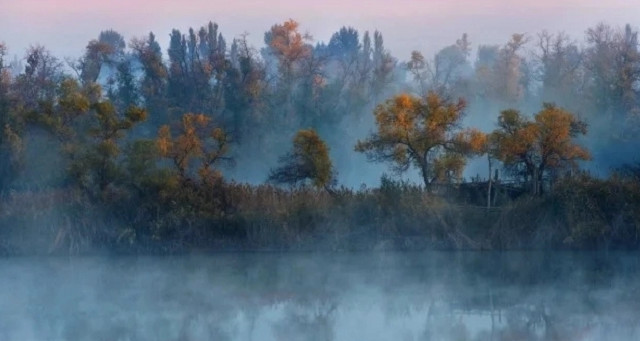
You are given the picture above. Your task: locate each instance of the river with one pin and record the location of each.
(323, 296)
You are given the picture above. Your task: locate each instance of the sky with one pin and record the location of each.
(66, 26)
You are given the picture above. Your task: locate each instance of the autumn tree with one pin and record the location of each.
(537, 149)
(198, 147)
(424, 132)
(307, 161)
(108, 49)
(290, 48)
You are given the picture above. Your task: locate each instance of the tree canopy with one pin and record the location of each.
(424, 132)
(307, 161)
(535, 148)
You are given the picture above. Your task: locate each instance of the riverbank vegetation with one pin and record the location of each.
(220, 146)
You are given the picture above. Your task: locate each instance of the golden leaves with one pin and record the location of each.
(414, 129)
(288, 43)
(164, 142)
(197, 140)
(544, 142)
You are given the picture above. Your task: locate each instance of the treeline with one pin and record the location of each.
(130, 148)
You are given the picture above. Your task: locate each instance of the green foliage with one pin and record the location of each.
(309, 160)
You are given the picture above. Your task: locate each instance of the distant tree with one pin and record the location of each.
(37, 85)
(106, 51)
(364, 69)
(559, 68)
(538, 149)
(290, 48)
(11, 139)
(115, 40)
(308, 161)
(417, 66)
(154, 81)
(244, 89)
(502, 72)
(612, 58)
(127, 92)
(383, 66)
(421, 132)
(442, 73)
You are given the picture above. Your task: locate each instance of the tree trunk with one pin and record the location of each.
(489, 184)
(425, 176)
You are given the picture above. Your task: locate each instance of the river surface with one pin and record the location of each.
(323, 296)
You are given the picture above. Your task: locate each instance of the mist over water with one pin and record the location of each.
(350, 296)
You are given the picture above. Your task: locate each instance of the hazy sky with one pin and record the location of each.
(65, 26)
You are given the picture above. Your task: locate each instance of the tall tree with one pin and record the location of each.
(11, 140)
(383, 66)
(613, 61)
(154, 81)
(290, 47)
(559, 68)
(107, 50)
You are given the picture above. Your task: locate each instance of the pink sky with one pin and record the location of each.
(65, 26)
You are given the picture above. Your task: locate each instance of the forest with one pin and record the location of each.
(299, 144)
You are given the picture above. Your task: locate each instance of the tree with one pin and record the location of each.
(444, 71)
(417, 65)
(154, 81)
(199, 145)
(420, 132)
(501, 72)
(308, 160)
(289, 46)
(383, 65)
(539, 148)
(108, 49)
(11, 140)
(559, 66)
(96, 165)
(612, 59)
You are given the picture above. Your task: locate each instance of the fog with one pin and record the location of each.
(121, 143)
(410, 25)
(355, 296)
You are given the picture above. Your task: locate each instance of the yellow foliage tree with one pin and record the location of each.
(540, 147)
(421, 132)
(199, 144)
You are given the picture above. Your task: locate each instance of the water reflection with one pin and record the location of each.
(368, 296)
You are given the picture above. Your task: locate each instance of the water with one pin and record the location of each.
(348, 296)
